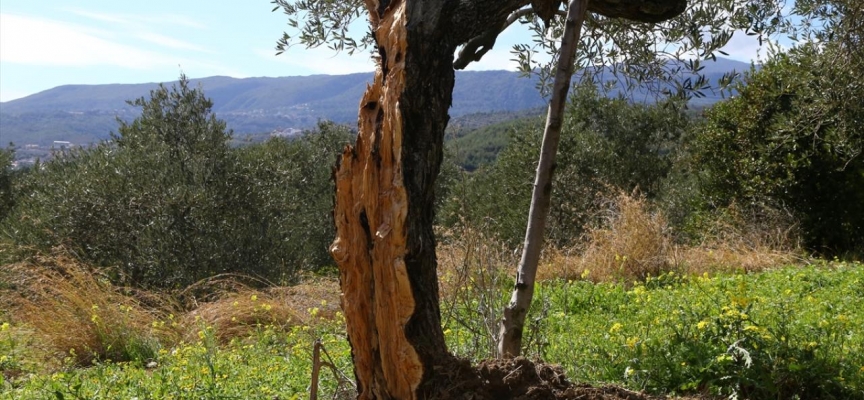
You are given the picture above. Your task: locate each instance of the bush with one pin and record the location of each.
(168, 202)
(606, 145)
(6, 199)
(288, 192)
(788, 143)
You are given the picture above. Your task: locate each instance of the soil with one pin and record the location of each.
(522, 379)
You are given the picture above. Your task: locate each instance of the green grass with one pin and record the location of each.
(269, 364)
(793, 332)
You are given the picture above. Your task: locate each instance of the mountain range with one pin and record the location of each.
(87, 113)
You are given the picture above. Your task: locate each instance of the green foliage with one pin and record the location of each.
(788, 333)
(788, 140)
(772, 335)
(606, 145)
(169, 202)
(6, 176)
(288, 185)
(268, 364)
(481, 146)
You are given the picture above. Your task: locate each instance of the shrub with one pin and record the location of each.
(6, 173)
(786, 142)
(168, 202)
(288, 201)
(635, 241)
(633, 244)
(606, 145)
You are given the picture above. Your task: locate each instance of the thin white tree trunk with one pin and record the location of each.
(513, 321)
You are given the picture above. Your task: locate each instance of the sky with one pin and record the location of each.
(48, 43)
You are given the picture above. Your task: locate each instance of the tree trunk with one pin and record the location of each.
(513, 321)
(384, 246)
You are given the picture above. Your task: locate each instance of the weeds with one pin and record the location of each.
(79, 315)
(778, 334)
(236, 342)
(635, 243)
(472, 271)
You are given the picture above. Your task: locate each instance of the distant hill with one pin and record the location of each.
(86, 113)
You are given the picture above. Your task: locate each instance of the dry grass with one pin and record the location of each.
(76, 313)
(742, 241)
(471, 259)
(632, 243)
(635, 242)
(472, 269)
(236, 313)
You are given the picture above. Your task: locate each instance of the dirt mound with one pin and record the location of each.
(521, 379)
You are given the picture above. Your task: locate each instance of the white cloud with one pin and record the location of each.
(114, 18)
(747, 48)
(142, 27)
(168, 41)
(175, 19)
(162, 19)
(37, 41)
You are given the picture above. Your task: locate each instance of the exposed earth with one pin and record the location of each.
(522, 379)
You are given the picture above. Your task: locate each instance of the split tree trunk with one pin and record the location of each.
(384, 245)
(384, 202)
(513, 321)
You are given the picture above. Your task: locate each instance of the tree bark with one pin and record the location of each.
(513, 321)
(384, 202)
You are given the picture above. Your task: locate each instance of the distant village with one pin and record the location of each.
(27, 155)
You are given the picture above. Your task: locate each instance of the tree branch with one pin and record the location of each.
(478, 46)
(473, 18)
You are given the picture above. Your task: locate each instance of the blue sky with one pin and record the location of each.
(49, 43)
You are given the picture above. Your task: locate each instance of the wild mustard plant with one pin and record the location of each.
(777, 334)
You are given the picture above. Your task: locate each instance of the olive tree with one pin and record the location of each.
(788, 139)
(384, 211)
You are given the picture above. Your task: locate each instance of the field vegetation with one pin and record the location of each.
(712, 257)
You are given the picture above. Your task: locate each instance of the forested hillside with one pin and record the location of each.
(84, 114)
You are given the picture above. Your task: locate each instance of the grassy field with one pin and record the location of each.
(786, 332)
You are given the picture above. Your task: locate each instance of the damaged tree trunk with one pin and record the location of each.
(384, 244)
(513, 321)
(384, 202)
